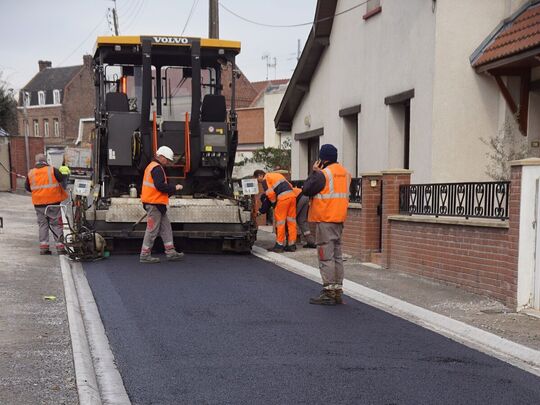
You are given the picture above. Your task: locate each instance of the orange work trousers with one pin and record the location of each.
(285, 216)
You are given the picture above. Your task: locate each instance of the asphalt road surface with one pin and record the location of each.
(228, 329)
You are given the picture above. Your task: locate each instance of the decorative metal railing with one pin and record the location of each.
(469, 200)
(355, 189)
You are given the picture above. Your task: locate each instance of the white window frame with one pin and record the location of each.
(56, 125)
(36, 127)
(41, 98)
(46, 133)
(56, 96)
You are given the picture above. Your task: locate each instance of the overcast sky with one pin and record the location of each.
(63, 30)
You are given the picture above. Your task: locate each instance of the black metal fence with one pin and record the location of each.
(469, 200)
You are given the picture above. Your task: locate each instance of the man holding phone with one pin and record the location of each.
(328, 187)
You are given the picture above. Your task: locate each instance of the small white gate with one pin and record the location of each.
(536, 282)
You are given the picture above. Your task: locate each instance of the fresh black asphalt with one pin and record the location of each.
(227, 329)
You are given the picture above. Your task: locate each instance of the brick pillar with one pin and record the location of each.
(392, 179)
(370, 224)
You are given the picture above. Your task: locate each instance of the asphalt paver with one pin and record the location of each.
(234, 329)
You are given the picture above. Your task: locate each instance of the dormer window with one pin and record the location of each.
(373, 7)
(41, 97)
(56, 96)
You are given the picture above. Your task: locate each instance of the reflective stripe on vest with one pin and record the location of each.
(149, 193)
(331, 204)
(45, 190)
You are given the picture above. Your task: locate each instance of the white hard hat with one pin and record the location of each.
(166, 152)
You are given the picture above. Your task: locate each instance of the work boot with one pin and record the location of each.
(44, 251)
(327, 297)
(338, 291)
(148, 259)
(310, 245)
(277, 248)
(174, 256)
(290, 248)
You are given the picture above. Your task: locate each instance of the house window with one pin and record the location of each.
(399, 129)
(26, 96)
(313, 152)
(36, 128)
(56, 127)
(46, 128)
(56, 96)
(350, 143)
(41, 97)
(373, 7)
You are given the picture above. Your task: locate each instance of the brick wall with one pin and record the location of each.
(475, 258)
(480, 256)
(17, 152)
(79, 100)
(250, 125)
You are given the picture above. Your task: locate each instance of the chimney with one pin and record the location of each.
(43, 64)
(87, 61)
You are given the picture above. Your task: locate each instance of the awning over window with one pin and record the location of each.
(515, 43)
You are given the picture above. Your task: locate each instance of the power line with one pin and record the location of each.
(193, 6)
(82, 42)
(141, 6)
(291, 25)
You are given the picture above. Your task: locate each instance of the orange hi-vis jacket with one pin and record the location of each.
(331, 204)
(273, 180)
(150, 194)
(45, 187)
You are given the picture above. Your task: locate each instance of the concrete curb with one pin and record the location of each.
(98, 360)
(518, 355)
(85, 375)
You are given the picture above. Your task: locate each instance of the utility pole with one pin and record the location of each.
(115, 18)
(213, 19)
(298, 51)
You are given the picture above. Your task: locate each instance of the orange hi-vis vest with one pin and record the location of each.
(45, 187)
(272, 181)
(331, 204)
(150, 194)
(296, 191)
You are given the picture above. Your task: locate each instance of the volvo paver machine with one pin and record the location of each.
(179, 92)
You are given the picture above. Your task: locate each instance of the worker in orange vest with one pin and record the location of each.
(45, 183)
(280, 192)
(155, 198)
(328, 187)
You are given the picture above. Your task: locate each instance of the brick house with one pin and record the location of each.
(52, 104)
(255, 121)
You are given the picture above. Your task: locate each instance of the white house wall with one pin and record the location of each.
(271, 106)
(367, 61)
(414, 44)
(467, 106)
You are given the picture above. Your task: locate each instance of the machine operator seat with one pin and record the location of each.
(214, 108)
(117, 102)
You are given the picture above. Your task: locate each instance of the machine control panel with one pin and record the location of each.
(214, 159)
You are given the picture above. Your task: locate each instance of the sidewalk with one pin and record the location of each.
(36, 360)
(475, 310)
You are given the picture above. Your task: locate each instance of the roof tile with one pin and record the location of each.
(521, 34)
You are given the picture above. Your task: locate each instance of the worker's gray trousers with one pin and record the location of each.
(329, 250)
(52, 218)
(156, 224)
(302, 208)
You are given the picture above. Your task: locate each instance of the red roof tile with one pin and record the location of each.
(521, 34)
